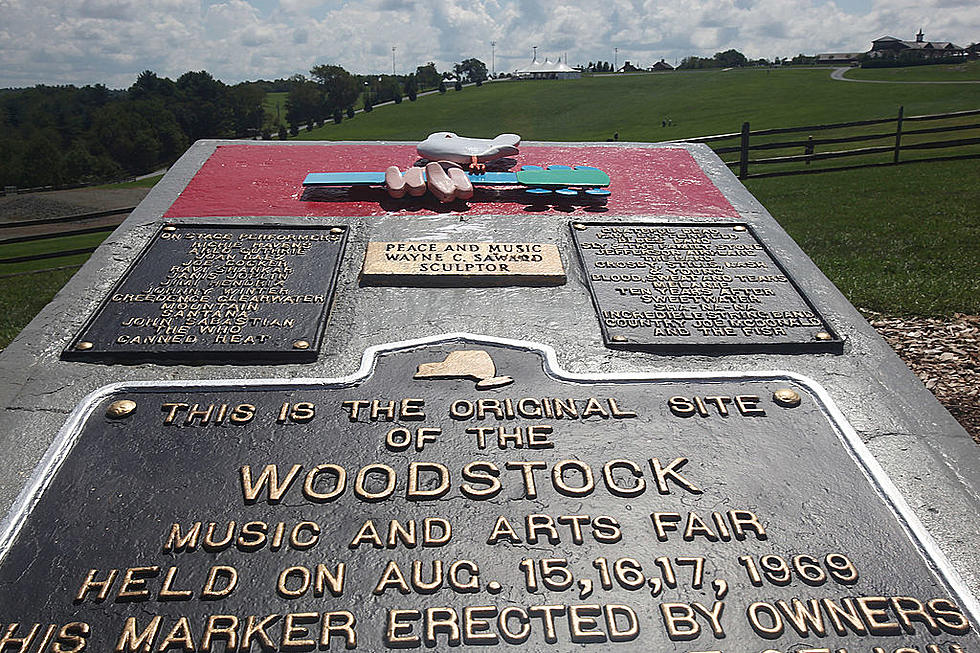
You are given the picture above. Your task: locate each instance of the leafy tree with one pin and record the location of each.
(294, 130)
(730, 58)
(412, 87)
(458, 85)
(247, 110)
(202, 108)
(282, 132)
(148, 85)
(442, 87)
(41, 163)
(337, 116)
(427, 76)
(305, 102)
(350, 112)
(340, 86)
(471, 70)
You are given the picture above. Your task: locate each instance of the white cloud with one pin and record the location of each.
(111, 41)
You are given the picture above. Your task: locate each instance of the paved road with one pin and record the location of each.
(838, 74)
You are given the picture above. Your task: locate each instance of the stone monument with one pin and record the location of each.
(264, 417)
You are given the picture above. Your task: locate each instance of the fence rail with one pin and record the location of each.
(899, 137)
(56, 233)
(78, 217)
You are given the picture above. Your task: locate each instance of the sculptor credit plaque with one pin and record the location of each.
(696, 288)
(440, 263)
(219, 293)
(460, 494)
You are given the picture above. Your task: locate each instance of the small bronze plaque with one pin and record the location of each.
(219, 293)
(460, 494)
(696, 288)
(441, 263)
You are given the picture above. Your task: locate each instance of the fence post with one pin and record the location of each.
(808, 148)
(743, 157)
(898, 133)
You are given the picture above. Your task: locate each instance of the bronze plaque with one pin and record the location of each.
(441, 263)
(462, 493)
(697, 288)
(219, 293)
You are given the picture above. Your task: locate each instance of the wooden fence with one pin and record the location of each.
(898, 142)
(49, 234)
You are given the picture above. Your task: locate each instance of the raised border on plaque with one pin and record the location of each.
(438, 263)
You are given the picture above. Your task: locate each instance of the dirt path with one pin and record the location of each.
(34, 206)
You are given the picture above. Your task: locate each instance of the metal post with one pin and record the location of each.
(393, 60)
(808, 148)
(898, 133)
(743, 157)
(493, 58)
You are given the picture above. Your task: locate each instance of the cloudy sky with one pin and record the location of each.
(111, 41)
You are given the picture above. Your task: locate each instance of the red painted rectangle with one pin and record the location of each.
(267, 180)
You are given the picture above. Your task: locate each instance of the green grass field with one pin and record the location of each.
(699, 103)
(149, 182)
(275, 106)
(23, 296)
(968, 71)
(900, 240)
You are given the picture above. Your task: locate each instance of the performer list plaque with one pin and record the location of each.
(219, 293)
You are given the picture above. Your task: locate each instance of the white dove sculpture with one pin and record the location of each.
(447, 146)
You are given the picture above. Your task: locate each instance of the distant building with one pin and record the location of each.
(889, 46)
(839, 58)
(661, 66)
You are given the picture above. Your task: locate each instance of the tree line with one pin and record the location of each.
(330, 92)
(64, 135)
(55, 135)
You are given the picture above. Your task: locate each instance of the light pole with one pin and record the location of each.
(535, 48)
(393, 60)
(615, 59)
(493, 60)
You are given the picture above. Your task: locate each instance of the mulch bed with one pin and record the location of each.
(944, 354)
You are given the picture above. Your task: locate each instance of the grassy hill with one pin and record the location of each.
(699, 103)
(968, 71)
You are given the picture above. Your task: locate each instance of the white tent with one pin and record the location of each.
(547, 70)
